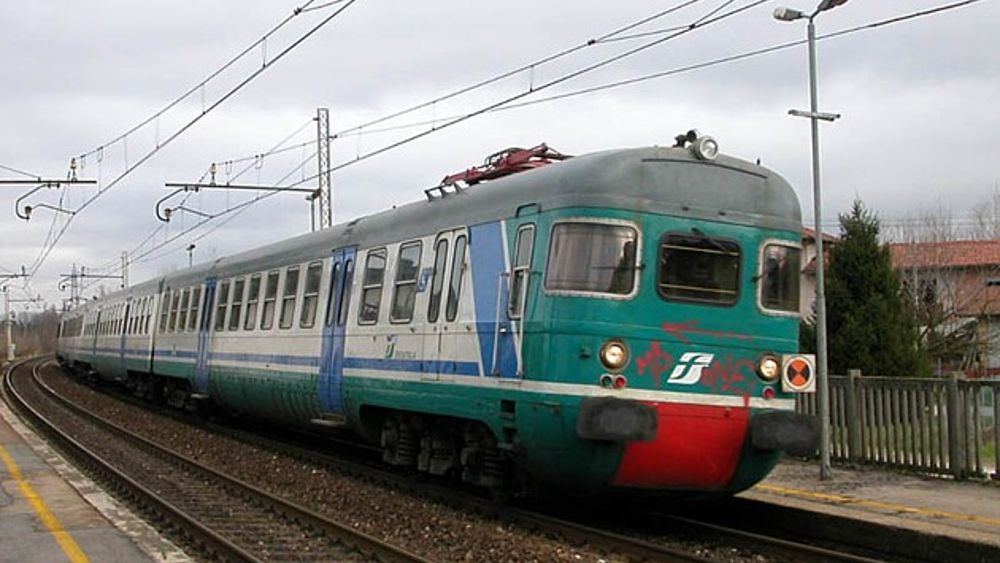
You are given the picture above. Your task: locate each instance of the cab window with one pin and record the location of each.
(698, 268)
(592, 258)
(779, 279)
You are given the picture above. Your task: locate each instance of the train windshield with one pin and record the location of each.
(779, 286)
(592, 258)
(695, 267)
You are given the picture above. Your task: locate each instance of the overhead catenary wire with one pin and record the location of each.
(21, 172)
(652, 76)
(361, 128)
(702, 21)
(46, 251)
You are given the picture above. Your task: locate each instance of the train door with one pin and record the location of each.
(331, 366)
(204, 338)
(448, 355)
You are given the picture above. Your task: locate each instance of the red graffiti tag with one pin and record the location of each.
(657, 361)
(727, 375)
(680, 331)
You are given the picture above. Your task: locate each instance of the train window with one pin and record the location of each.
(437, 281)
(371, 287)
(698, 268)
(345, 294)
(253, 296)
(592, 258)
(310, 295)
(195, 304)
(237, 307)
(173, 310)
(270, 297)
(331, 297)
(405, 292)
(164, 310)
(521, 271)
(288, 297)
(222, 304)
(779, 277)
(455, 281)
(183, 314)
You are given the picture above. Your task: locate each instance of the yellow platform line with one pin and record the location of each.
(52, 524)
(842, 499)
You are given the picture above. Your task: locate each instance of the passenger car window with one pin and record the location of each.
(694, 267)
(310, 297)
(520, 276)
(288, 297)
(437, 281)
(182, 315)
(164, 311)
(331, 296)
(253, 296)
(371, 288)
(779, 280)
(220, 310)
(173, 310)
(592, 258)
(270, 299)
(455, 283)
(195, 305)
(405, 292)
(345, 294)
(237, 306)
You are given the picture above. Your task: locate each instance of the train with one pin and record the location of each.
(621, 321)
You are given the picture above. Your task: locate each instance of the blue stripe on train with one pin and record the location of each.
(486, 246)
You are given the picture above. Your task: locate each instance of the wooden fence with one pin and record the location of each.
(933, 425)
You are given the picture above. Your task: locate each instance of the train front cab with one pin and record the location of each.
(674, 332)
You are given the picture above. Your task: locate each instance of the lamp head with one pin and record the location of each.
(788, 14)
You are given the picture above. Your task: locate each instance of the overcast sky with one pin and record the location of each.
(919, 101)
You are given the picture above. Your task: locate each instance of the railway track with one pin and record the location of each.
(224, 517)
(629, 544)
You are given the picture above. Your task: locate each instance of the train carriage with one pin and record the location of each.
(616, 320)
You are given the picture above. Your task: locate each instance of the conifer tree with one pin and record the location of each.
(870, 326)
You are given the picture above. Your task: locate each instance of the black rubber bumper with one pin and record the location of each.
(616, 420)
(791, 432)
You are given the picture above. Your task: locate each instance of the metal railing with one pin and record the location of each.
(940, 425)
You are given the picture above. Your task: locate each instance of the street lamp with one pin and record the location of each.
(814, 115)
(190, 251)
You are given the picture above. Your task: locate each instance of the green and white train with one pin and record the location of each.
(622, 320)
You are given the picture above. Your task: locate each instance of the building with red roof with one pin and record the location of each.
(955, 286)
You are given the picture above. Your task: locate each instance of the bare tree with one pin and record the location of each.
(951, 275)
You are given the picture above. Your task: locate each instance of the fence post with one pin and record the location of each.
(853, 416)
(956, 455)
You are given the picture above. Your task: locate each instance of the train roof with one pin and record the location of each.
(664, 180)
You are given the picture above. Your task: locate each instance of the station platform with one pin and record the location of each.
(967, 512)
(50, 512)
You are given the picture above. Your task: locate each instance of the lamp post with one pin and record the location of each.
(814, 115)
(190, 251)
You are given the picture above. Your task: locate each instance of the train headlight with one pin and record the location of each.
(769, 367)
(706, 148)
(614, 355)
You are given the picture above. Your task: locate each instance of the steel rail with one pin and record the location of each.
(635, 548)
(364, 544)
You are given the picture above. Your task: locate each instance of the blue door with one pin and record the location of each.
(204, 338)
(331, 365)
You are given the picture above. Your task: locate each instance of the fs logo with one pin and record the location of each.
(688, 370)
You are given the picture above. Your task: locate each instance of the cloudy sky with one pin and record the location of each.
(918, 99)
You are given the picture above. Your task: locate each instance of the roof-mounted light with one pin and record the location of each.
(704, 147)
